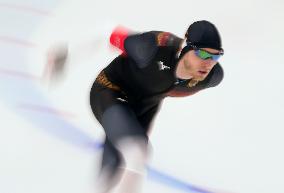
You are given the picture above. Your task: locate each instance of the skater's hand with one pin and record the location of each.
(56, 60)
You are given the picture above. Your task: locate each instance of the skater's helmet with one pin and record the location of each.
(202, 34)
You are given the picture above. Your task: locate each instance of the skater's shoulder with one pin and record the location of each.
(164, 38)
(216, 76)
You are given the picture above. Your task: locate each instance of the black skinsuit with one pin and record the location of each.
(128, 92)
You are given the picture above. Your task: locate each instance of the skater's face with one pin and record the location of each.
(197, 67)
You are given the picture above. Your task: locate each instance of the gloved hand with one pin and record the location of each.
(56, 60)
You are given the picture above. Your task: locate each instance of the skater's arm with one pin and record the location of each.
(142, 47)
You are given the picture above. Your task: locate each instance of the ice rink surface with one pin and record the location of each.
(227, 139)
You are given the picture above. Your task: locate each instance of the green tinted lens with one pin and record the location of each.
(204, 55)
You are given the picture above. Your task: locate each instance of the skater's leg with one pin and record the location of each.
(110, 171)
(135, 152)
(127, 139)
(130, 139)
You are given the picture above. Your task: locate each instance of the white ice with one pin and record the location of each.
(228, 138)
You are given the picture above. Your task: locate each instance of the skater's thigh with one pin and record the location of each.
(119, 121)
(115, 114)
(101, 98)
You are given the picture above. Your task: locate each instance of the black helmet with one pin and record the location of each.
(202, 34)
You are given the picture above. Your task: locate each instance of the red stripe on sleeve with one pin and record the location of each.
(118, 37)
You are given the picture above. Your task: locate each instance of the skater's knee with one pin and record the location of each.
(135, 153)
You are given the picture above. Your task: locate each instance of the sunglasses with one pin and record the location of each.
(204, 55)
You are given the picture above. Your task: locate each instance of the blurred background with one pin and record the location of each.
(224, 139)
